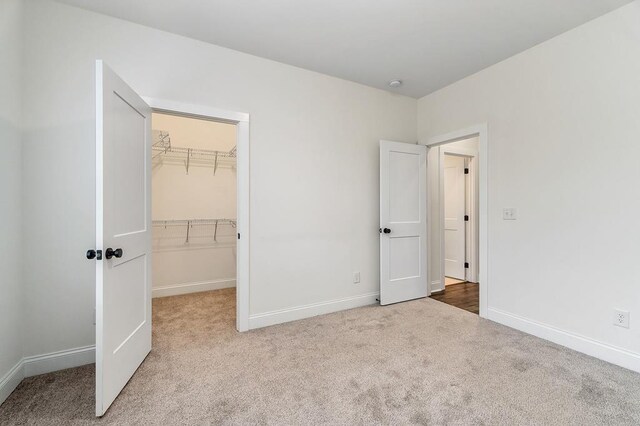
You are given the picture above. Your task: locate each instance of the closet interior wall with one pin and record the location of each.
(193, 205)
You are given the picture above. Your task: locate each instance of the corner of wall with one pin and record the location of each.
(12, 36)
(10, 381)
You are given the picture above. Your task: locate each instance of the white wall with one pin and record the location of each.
(314, 163)
(203, 263)
(11, 289)
(563, 126)
(433, 201)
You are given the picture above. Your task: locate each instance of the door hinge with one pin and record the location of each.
(466, 170)
(466, 218)
(238, 235)
(466, 264)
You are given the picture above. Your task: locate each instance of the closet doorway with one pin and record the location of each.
(199, 188)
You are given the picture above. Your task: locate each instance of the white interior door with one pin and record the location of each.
(403, 222)
(123, 234)
(454, 211)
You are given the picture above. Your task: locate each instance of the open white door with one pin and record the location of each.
(123, 234)
(454, 213)
(403, 222)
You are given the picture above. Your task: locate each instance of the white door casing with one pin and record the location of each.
(479, 186)
(123, 221)
(454, 211)
(403, 222)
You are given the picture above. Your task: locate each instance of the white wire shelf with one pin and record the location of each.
(162, 149)
(200, 229)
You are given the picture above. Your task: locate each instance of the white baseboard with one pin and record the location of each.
(46, 363)
(312, 310)
(586, 345)
(436, 286)
(10, 381)
(185, 288)
(41, 364)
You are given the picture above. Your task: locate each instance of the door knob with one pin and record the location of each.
(94, 254)
(117, 253)
(387, 231)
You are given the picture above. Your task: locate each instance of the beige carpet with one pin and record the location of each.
(420, 362)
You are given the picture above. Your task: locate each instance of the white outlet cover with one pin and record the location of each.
(356, 277)
(621, 318)
(509, 213)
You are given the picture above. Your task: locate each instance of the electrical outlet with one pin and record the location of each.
(621, 318)
(356, 277)
(509, 214)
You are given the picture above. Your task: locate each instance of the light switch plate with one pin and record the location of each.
(509, 213)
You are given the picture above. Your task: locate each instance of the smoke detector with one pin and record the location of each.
(394, 84)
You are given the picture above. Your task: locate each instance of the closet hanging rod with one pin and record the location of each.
(195, 222)
(190, 223)
(162, 148)
(162, 144)
(193, 152)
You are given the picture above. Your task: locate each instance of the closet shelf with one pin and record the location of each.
(189, 224)
(162, 149)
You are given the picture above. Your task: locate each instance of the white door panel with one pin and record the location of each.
(403, 222)
(123, 218)
(454, 211)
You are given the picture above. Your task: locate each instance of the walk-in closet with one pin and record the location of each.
(193, 205)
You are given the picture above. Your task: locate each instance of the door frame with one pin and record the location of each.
(241, 121)
(471, 208)
(479, 130)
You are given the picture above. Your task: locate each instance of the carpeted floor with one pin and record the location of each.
(420, 362)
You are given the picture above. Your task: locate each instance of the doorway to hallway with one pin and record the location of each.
(455, 204)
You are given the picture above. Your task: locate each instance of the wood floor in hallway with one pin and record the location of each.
(463, 295)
